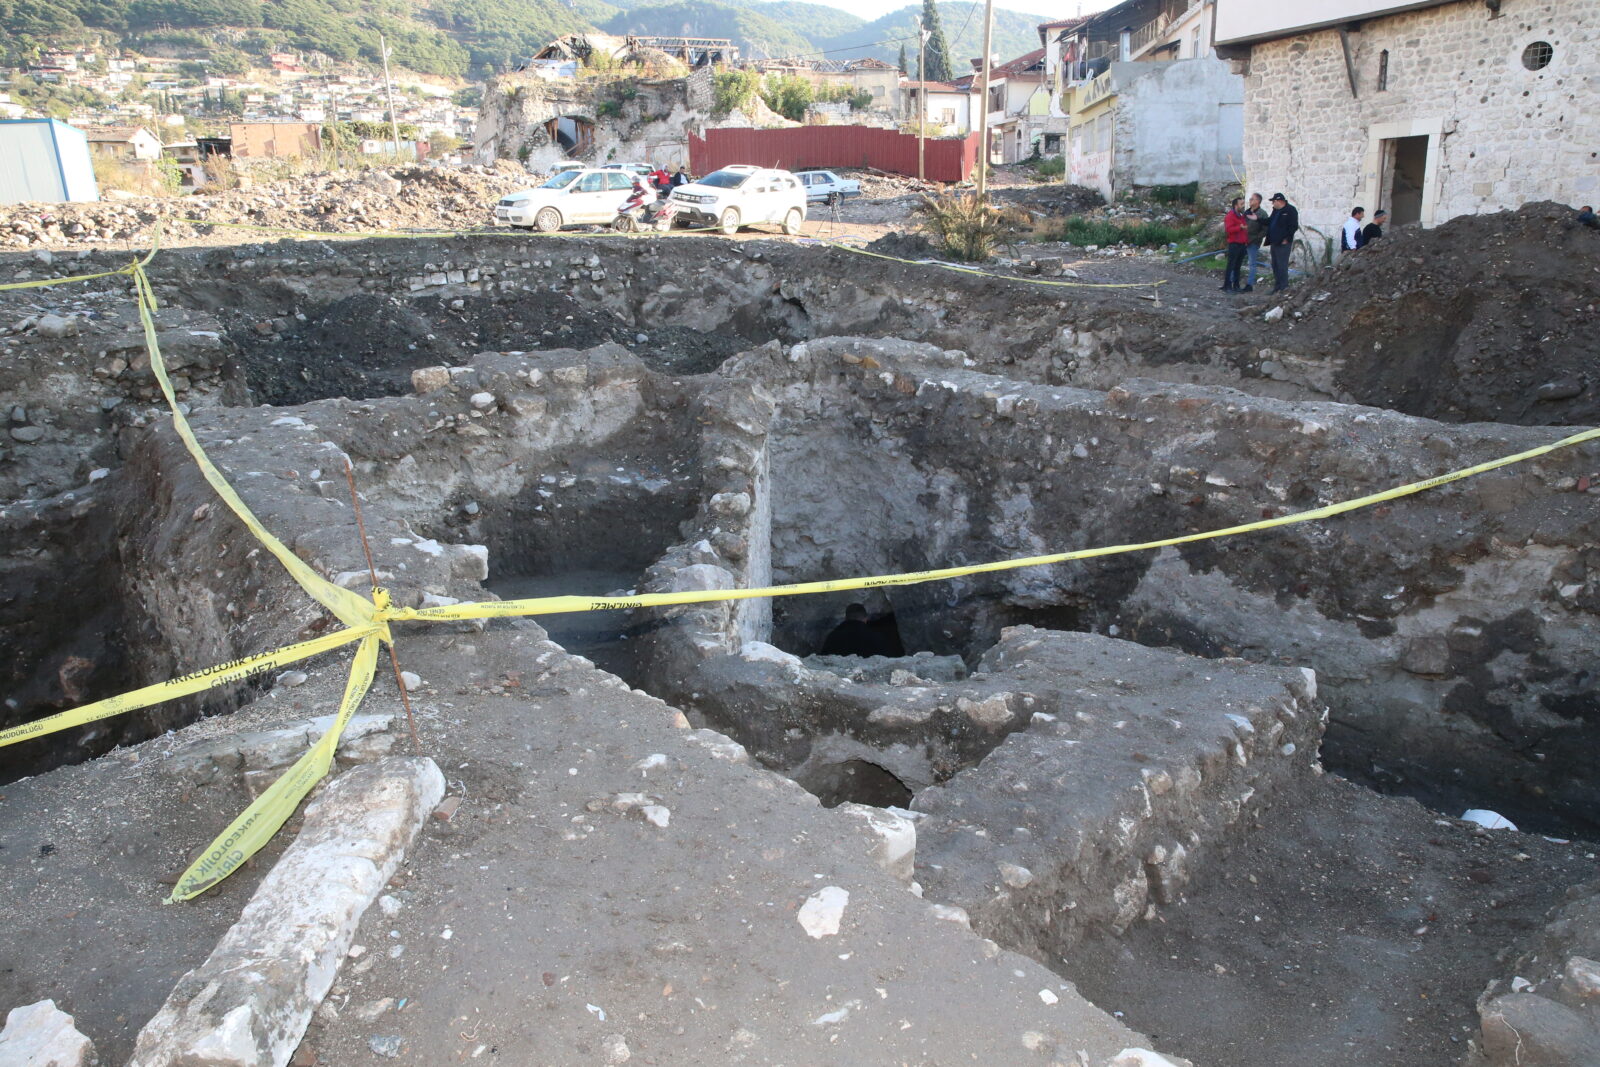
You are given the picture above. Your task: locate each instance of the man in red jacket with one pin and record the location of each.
(1238, 228)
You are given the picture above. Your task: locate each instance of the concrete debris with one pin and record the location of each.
(42, 1035)
(250, 1002)
(823, 910)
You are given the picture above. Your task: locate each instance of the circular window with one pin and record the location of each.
(1537, 55)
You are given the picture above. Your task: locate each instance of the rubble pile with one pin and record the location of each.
(413, 197)
(1487, 317)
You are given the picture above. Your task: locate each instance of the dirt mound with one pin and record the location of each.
(361, 346)
(1486, 318)
(413, 197)
(1053, 198)
(904, 246)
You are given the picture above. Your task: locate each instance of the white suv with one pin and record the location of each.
(742, 195)
(569, 198)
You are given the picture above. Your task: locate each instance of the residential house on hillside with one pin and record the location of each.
(126, 143)
(950, 112)
(279, 140)
(1019, 110)
(1148, 102)
(1427, 109)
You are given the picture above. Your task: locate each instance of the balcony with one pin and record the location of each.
(1153, 31)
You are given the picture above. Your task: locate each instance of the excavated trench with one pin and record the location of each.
(1448, 633)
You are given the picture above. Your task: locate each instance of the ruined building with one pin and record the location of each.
(1430, 110)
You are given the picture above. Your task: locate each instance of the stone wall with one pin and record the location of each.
(633, 119)
(1500, 134)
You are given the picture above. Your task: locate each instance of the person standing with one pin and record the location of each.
(1282, 225)
(1238, 230)
(1350, 236)
(1374, 229)
(1256, 216)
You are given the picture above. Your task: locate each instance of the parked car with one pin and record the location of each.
(826, 185)
(742, 195)
(641, 169)
(569, 198)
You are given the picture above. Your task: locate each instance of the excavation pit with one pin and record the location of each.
(1449, 635)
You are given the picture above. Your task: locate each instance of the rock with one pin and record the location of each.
(1563, 389)
(1426, 655)
(42, 1035)
(412, 682)
(1143, 1057)
(1581, 978)
(291, 679)
(481, 401)
(56, 326)
(1527, 1030)
(1272, 314)
(1015, 877)
(892, 838)
(615, 1048)
(27, 434)
(386, 1045)
(430, 379)
(822, 912)
(990, 713)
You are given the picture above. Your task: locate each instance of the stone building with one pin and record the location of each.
(1430, 110)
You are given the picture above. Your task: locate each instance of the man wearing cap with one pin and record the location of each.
(1282, 225)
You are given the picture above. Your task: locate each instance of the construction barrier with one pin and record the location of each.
(367, 621)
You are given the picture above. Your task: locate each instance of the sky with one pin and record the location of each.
(1050, 9)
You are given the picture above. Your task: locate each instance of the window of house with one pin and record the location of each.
(1194, 44)
(948, 116)
(1538, 55)
(1383, 70)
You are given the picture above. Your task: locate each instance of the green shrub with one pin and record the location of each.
(1188, 193)
(1079, 230)
(734, 90)
(1051, 168)
(968, 228)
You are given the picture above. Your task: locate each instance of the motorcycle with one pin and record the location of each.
(643, 208)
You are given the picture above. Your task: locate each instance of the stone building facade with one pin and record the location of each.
(1459, 108)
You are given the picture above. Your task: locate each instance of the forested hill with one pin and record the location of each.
(472, 38)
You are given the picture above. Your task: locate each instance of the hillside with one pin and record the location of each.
(472, 38)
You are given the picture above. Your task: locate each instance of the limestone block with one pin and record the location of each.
(892, 838)
(429, 379)
(249, 1003)
(42, 1035)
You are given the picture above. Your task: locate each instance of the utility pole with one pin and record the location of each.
(922, 101)
(388, 86)
(983, 100)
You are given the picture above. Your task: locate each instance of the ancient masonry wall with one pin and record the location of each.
(1501, 135)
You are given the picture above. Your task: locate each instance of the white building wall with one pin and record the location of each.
(1178, 123)
(1500, 135)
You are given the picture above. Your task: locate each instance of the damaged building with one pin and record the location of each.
(1428, 110)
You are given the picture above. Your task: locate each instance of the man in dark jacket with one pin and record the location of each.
(1374, 229)
(1282, 225)
(1256, 216)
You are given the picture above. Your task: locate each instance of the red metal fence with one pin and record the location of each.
(801, 147)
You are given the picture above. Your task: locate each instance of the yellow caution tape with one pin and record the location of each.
(557, 604)
(45, 282)
(958, 269)
(237, 670)
(257, 824)
(347, 607)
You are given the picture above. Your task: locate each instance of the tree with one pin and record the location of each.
(939, 66)
(902, 64)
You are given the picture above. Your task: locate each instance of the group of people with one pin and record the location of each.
(1252, 227)
(664, 183)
